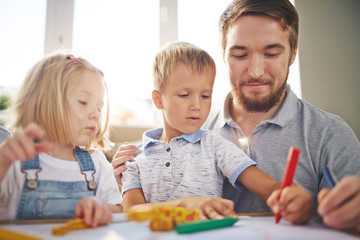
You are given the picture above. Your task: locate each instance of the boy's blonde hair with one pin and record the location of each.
(173, 54)
(44, 98)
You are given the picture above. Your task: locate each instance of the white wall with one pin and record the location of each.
(330, 57)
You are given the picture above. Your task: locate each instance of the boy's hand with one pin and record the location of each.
(126, 152)
(209, 207)
(339, 207)
(94, 211)
(294, 205)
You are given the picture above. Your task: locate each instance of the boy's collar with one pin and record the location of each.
(152, 136)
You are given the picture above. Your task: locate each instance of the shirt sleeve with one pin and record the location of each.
(232, 161)
(340, 151)
(131, 176)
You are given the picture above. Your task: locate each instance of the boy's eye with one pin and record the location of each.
(240, 56)
(183, 95)
(205, 96)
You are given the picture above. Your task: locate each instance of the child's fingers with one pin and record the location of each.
(296, 204)
(26, 141)
(43, 147)
(120, 161)
(16, 149)
(102, 214)
(85, 209)
(118, 172)
(202, 216)
(290, 193)
(273, 198)
(218, 208)
(97, 215)
(34, 131)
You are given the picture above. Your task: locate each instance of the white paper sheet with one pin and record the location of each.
(257, 228)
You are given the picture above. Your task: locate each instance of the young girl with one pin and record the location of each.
(59, 111)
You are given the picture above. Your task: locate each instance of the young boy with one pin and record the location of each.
(181, 160)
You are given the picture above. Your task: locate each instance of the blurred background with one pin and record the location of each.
(121, 37)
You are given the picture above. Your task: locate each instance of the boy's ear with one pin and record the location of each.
(156, 96)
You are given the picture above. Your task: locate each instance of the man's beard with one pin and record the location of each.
(251, 104)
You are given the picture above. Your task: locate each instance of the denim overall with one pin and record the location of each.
(55, 199)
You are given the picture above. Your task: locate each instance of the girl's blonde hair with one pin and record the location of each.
(44, 98)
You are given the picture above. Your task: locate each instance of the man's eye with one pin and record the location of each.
(272, 54)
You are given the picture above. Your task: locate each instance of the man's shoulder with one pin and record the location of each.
(212, 120)
(309, 111)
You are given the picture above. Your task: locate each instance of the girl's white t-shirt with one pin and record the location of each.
(57, 170)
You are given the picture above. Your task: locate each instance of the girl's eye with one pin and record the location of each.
(183, 95)
(82, 102)
(205, 96)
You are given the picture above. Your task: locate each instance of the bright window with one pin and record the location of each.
(199, 24)
(22, 27)
(121, 38)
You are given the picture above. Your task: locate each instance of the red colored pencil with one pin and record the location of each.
(289, 174)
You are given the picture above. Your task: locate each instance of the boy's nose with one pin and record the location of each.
(195, 104)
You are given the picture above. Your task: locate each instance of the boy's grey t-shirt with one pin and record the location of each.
(190, 165)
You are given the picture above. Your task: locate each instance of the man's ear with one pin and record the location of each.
(293, 56)
(156, 97)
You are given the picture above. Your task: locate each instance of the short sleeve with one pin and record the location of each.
(131, 177)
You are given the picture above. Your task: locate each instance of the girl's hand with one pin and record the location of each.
(21, 146)
(126, 152)
(94, 211)
(294, 205)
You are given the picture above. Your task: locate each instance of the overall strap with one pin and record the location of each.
(31, 164)
(84, 159)
(86, 164)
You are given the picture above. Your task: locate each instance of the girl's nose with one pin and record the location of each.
(94, 114)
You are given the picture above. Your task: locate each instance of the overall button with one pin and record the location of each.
(168, 149)
(32, 184)
(167, 164)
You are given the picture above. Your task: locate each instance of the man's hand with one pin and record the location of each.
(339, 206)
